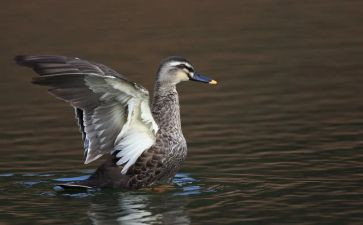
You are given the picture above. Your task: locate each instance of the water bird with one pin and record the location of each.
(145, 145)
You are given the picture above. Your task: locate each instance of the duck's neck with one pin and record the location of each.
(165, 108)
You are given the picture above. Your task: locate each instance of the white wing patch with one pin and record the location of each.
(124, 121)
(147, 117)
(137, 135)
(132, 145)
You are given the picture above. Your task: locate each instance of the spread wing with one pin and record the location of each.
(113, 113)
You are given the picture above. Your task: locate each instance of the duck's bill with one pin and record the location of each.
(203, 79)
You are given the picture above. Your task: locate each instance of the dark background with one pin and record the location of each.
(278, 140)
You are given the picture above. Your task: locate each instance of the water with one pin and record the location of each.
(278, 141)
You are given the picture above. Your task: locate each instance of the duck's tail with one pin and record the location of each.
(108, 174)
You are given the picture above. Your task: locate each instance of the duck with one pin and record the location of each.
(142, 140)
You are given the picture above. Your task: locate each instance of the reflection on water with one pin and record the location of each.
(277, 141)
(111, 206)
(131, 208)
(143, 207)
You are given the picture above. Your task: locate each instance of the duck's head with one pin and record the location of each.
(175, 69)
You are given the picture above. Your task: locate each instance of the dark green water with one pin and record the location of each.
(278, 141)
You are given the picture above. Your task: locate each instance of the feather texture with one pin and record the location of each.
(113, 113)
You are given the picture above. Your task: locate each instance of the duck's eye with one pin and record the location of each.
(188, 70)
(185, 67)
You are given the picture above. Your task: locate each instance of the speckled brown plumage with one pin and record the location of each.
(159, 163)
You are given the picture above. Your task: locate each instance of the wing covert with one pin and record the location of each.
(113, 113)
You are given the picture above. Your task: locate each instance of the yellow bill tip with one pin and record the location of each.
(213, 82)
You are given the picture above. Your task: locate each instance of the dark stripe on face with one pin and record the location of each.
(184, 66)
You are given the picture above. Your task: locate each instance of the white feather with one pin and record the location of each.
(133, 145)
(125, 105)
(147, 117)
(136, 136)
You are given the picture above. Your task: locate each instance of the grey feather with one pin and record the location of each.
(52, 64)
(99, 94)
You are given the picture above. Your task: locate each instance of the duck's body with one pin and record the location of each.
(145, 146)
(161, 161)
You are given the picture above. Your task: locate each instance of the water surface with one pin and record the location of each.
(278, 141)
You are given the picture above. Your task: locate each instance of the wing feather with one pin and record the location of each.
(131, 147)
(113, 113)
